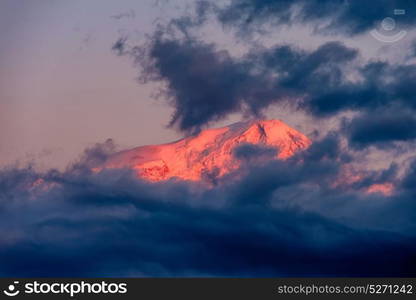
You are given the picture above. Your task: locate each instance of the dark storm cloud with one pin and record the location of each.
(338, 16)
(328, 148)
(282, 218)
(297, 217)
(249, 152)
(204, 84)
(309, 215)
(301, 74)
(320, 81)
(381, 128)
(95, 155)
(409, 182)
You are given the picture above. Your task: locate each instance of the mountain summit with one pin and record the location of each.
(211, 151)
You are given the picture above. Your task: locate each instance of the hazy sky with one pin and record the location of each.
(63, 89)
